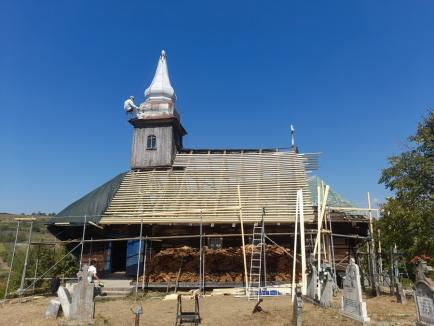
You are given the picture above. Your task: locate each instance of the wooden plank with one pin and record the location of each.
(242, 240)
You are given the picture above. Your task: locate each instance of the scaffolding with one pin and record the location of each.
(323, 247)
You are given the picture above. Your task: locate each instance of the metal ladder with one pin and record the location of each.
(257, 256)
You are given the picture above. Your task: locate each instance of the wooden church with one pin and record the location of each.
(180, 197)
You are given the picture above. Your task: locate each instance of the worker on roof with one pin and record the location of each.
(129, 105)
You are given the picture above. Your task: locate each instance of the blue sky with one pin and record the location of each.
(354, 77)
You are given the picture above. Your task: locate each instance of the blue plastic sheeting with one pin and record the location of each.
(107, 267)
(132, 257)
(265, 292)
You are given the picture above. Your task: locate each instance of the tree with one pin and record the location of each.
(408, 216)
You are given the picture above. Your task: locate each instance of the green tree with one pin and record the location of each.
(408, 216)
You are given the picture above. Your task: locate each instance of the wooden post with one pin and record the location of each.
(303, 245)
(82, 240)
(318, 244)
(294, 261)
(380, 258)
(23, 276)
(12, 262)
(373, 263)
(317, 248)
(242, 240)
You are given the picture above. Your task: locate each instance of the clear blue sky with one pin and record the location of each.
(354, 77)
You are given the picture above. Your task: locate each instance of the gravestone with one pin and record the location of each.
(83, 305)
(53, 309)
(399, 293)
(352, 305)
(424, 295)
(297, 306)
(65, 301)
(312, 278)
(386, 280)
(326, 289)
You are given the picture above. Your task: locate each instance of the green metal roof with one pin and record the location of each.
(93, 205)
(334, 199)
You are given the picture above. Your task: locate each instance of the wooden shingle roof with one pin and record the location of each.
(205, 184)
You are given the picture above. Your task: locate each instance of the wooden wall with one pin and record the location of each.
(163, 155)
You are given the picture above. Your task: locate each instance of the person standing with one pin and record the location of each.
(92, 272)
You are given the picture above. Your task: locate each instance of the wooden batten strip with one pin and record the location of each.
(208, 183)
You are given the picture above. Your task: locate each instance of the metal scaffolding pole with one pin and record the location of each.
(302, 242)
(26, 259)
(144, 263)
(12, 262)
(82, 240)
(36, 270)
(332, 250)
(203, 271)
(139, 254)
(200, 254)
(264, 247)
(294, 261)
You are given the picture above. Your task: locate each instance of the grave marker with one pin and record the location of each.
(53, 309)
(297, 306)
(352, 305)
(83, 305)
(326, 289)
(312, 277)
(65, 301)
(424, 295)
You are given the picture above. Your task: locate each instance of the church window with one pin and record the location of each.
(152, 142)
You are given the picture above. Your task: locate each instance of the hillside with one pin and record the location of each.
(8, 228)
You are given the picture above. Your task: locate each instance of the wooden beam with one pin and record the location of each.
(242, 240)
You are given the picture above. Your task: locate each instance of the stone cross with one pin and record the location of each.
(424, 295)
(83, 305)
(352, 305)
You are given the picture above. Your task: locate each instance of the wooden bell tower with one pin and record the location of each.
(157, 128)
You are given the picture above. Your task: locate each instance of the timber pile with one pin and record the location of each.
(221, 265)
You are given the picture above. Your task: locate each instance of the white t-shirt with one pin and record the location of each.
(91, 272)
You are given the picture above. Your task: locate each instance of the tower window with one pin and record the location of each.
(152, 142)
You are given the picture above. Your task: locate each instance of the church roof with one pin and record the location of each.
(202, 179)
(205, 185)
(160, 86)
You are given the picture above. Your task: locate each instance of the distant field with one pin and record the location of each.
(8, 227)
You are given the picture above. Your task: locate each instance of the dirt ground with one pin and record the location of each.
(216, 310)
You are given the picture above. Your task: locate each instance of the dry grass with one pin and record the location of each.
(216, 310)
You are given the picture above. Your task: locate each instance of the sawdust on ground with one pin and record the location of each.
(215, 310)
